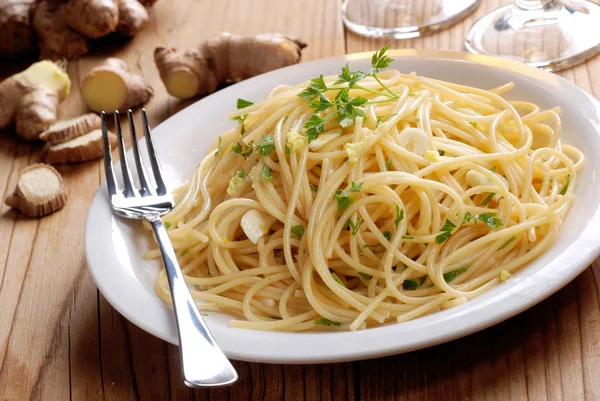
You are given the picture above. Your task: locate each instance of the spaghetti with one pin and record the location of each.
(321, 211)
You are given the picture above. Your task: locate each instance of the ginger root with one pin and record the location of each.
(132, 17)
(91, 18)
(55, 39)
(39, 191)
(65, 130)
(112, 86)
(224, 58)
(30, 98)
(81, 149)
(16, 34)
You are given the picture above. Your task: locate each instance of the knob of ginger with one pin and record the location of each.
(224, 58)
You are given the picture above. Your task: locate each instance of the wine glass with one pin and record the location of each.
(403, 19)
(549, 34)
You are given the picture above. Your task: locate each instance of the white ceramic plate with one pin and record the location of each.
(114, 247)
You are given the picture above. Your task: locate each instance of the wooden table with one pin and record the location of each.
(61, 340)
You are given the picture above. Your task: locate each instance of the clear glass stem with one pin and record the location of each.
(533, 4)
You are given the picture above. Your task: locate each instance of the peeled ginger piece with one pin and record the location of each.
(81, 149)
(39, 191)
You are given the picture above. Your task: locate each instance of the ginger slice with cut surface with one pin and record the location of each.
(80, 149)
(39, 191)
(65, 130)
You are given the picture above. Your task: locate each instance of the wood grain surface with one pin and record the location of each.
(61, 340)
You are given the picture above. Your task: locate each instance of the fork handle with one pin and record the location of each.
(203, 363)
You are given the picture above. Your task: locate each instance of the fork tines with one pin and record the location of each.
(128, 190)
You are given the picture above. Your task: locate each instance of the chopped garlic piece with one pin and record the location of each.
(234, 184)
(256, 224)
(414, 140)
(505, 275)
(431, 155)
(356, 150)
(295, 141)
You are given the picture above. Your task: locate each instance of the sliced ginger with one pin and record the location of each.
(65, 130)
(39, 191)
(112, 86)
(81, 149)
(30, 98)
(223, 58)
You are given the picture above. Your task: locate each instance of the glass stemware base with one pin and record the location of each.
(553, 37)
(403, 19)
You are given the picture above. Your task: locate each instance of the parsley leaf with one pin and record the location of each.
(241, 120)
(564, 189)
(441, 152)
(399, 215)
(241, 173)
(388, 165)
(315, 125)
(322, 104)
(490, 219)
(446, 232)
(298, 231)
(387, 235)
(266, 173)
(507, 243)
(185, 251)
(474, 124)
(249, 150)
(379, 61)
(237, 148)
(355, 227)
(287, 150)
(487, 199)
(349, 77)
(326, 322)
(411, 284)
(365, 276)
(167, 224)
(493, 170)
(356, 186)
(242, 104)
(468, 217)
(337, 279)
(316, 88)
(451, 275)
(408, 237)
(411, 94)
(343, 200)
(314, 187)
(266, 145)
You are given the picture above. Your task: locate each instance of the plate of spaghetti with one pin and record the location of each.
(364, 205)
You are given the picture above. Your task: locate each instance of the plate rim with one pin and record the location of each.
(498, 316)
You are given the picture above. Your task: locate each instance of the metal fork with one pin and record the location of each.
(203, 363)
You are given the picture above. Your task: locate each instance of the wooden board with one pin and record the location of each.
(61, 340)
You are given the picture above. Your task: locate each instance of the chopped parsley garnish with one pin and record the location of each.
(298, 231)
(337, 279)
(354, 227)
(237, 148)
(446, 232)
(314, 187)
(564, 189)
(451, 275)
(408, 237)
(241, 120)
(356, 186)
(241, 173)
(441, 152)
(266, 173)
(507, 243)
(387, 235)
(167, 224)
(411, 94)
(242, 104)
(388, 165)
(411, 284)
(220, 146)
(365, 276)
(474, 124)
(399, 215)
(468, 217)
(185, 251)
(490, 219)
(287, 150)
(343, 200)
(326, 322)
(266, 145)
(487, 199)
(347, 109)
(493, 170)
